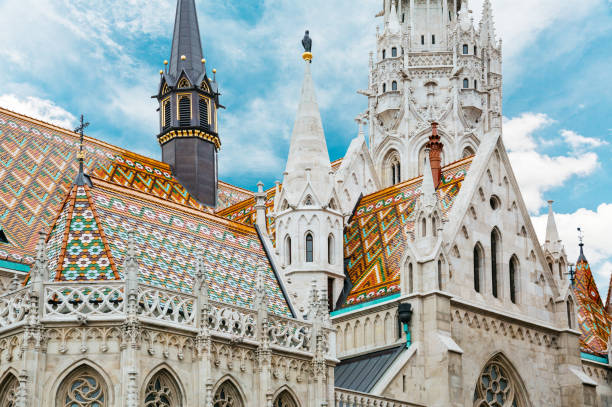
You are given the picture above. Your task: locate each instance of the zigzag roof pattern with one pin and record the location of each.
(380, 228)
(38, 166)
(593, 320)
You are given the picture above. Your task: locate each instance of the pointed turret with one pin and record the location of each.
(308, 219)
(188, 104)
(186, 43)
(308, 161)
(487, 25)
(393, 23)
(552, 235)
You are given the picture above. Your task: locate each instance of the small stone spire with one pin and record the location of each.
(308, 148)
(393, 25)
(428, 189)
(260, 207)
(552, 235)
(487, 25)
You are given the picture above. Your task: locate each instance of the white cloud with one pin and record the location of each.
(41, 109)
(537, 172)
(576, 140)
(596, 227)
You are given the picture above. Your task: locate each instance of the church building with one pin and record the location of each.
(405, 274)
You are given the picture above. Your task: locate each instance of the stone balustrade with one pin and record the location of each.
(83, 302)
(349, 398)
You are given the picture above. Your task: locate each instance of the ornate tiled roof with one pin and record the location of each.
(244, 212)
(38, 166)
(593, 320)
(381, 225)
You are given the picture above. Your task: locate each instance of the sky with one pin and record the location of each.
(61, 58)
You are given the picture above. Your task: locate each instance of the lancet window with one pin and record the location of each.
(309, 248)
(495, 255)
(8, 392)
(227, 396)
(284, 400)
(83, 388)
(162, 391)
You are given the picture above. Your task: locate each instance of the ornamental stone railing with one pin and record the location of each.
(14, 307)
(83, 302)
(350, 398)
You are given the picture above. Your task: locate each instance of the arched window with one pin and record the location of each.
(424, 227)
(162, 391)
(550, 265)
(499, 386)
(561, 269)
(475, 50)
(8, 391)
(514, 279)
(309, 248)
(570, 313)
(284, 400)
(384, 87)
(393, 52)
(203, 106)
(288, 250)
(184, 111)
(422, 40)
(478, 266)
(467, 152)
(440, 274)
(227, 396)
(384, 54)
(466, 83)
(83, 387)
(330, 249)
(394, 85)
(465, 49)
(495, 255)
(393, 168)
(475, 84)
(434, 227)
(410, 279)
(433, 40)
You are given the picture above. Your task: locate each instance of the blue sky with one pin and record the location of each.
(63, 57)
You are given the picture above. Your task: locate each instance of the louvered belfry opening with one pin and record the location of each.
(167, 115)
(204, 113)
(184, 111)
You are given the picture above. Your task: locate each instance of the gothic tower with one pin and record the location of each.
(188, 103)
(431, 65)
(307, 213)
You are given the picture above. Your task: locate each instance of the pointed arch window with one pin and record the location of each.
(309, 248)
(162, 391)
(83, 387)
(495, 255)
(284, 400)
(384, 54)
(288, 250)
(424, 227)
(478, 266)
(184, 110)
(514, 279)
(475, 50)
(440, 275)
(498, 386)
(8, 391)
(570, 313)
(227, 396)
(434, 226)
(410, 279)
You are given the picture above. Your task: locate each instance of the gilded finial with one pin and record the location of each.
(165, 62)
(161, 71)
(183, 57)
(214, 70)
(203, 60)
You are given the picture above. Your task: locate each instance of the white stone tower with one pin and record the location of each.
(309, 221)
(431, 64)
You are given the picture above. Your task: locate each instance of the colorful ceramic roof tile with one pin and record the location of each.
(609, 299)
(593, 320)
(78, 245)
(38, 166)
(244, 212)
(381, 225)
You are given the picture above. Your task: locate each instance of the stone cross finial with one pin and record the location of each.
(130, 264)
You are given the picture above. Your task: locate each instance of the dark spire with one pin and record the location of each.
(581, 257)
(186, 43)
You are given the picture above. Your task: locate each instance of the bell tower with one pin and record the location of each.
(188, 103)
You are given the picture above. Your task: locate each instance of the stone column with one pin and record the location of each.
(264, 353)
(203, 342)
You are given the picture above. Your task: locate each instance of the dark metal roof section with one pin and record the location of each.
(186, 41)
(363, 372)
